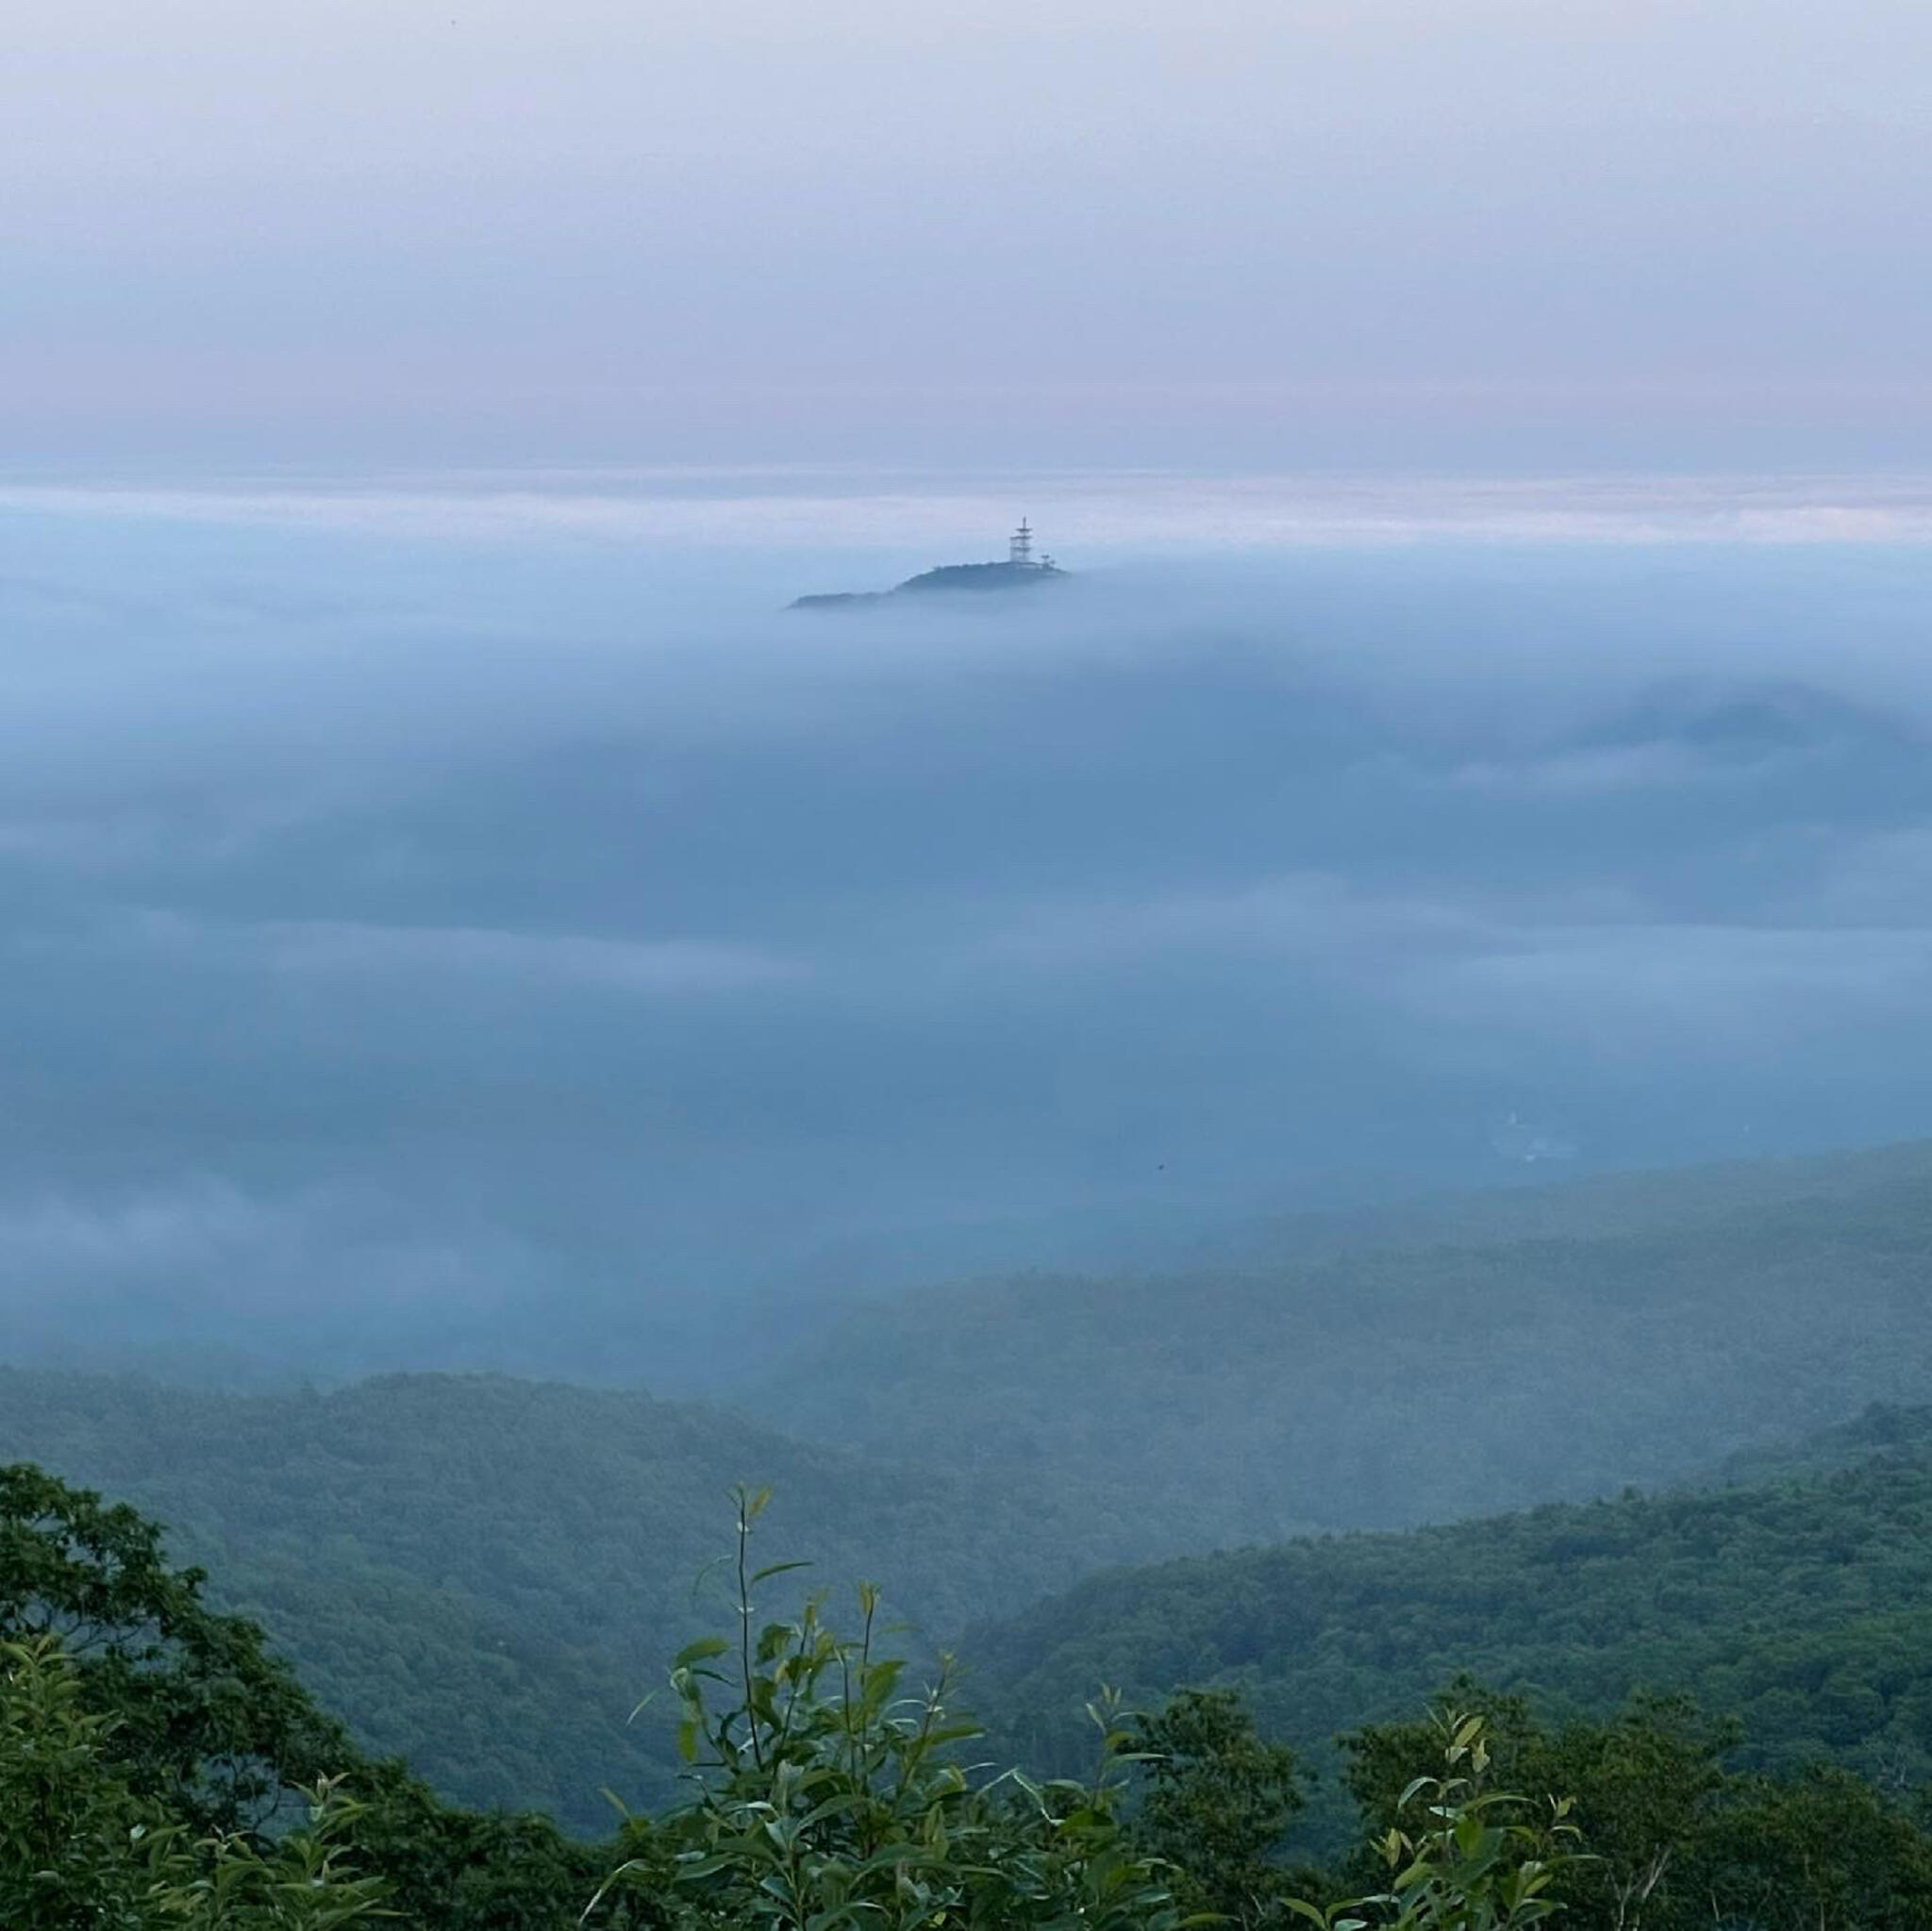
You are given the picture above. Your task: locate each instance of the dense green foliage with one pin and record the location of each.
(1799, 1604)
(1216, 1802)
(81, 1850)
(481, 1573)
(823, 1798)
(825, 1793)
(1459, 1854)
(1804, 1608)
(145, 1740)
(828, 1798)
(1674, 1841)
(204, 1719)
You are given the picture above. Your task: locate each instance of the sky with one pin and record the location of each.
(1473, 234)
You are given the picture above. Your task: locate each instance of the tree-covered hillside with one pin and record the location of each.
(485, 1573)
(1397, 1385)
(1652, 1200)
(479, 1571)
(1801, 1607)
(152, 1754)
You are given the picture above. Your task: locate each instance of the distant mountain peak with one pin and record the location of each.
(1020, 570)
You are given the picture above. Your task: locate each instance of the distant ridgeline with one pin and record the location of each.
(1021, 570)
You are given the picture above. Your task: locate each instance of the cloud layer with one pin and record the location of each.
(460, 943)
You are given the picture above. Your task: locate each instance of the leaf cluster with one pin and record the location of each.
(80, 1850)
(827, 1796)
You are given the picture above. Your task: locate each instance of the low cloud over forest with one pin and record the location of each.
(500, 950)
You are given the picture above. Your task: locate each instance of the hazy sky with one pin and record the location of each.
(1481, 232)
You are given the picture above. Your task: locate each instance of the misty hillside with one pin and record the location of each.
(1397, 1385)
(1802, 1606)
(1539, 1207)
(487, 1575)
(1540, 1202)
(525, 1550)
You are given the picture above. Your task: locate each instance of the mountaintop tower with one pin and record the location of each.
(1021, 570)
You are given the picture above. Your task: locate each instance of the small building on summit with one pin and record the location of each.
(1021, 569)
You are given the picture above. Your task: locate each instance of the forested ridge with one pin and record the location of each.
(153, 1753)
(479, 1571)
(1799, 1603)
(1800, 1606)
(483, 1572)
(1655, 1200)
(1383, 1386)
(484, 1575)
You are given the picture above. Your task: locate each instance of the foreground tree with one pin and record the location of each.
(1821, 1849)
(1642, 1789)
(1216, 1800)
(1677, 1842)
(177, 1724)
(205, 1720)
(827, 1798)
(1462, 1855)
(80, 1850)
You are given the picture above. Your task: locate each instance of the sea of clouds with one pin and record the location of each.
(466, 920)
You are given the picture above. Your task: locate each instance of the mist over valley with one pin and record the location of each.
(435, 948)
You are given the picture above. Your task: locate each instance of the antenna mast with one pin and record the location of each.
(1020, 552)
